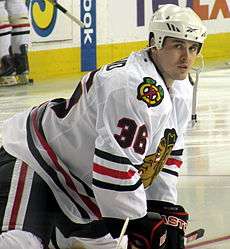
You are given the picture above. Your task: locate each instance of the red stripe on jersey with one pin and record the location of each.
(18, 196)
(5, 26)
(112, 172)
(91, 205)
(23, 25)
(173, 161)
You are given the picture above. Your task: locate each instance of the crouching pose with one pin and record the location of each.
(76, 169)
(14, 41)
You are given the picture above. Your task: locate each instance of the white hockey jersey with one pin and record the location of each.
(89, 148)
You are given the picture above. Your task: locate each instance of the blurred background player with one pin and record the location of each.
(14, 41)
(111, 151)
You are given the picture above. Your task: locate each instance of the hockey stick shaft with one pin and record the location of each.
(67, 13)
(122, 233)
(197, 71)
(208, 242)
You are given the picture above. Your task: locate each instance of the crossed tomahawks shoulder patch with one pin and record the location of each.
(149, 92)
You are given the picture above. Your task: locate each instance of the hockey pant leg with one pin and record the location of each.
(18, 17)
(26, 202)
(20, 38)
(7, 70)
(5, 30)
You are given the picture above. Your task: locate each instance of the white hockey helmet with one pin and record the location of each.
(174, 21)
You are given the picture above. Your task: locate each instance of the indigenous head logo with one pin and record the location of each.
(149, 92)
(154, 163)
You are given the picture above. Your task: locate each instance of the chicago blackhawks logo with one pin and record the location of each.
(149, 92)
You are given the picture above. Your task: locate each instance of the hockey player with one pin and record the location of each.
(14, 41)
(111, 151)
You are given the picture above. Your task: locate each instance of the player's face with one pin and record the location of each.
(176, 58)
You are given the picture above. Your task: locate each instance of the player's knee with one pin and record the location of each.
(17, 239)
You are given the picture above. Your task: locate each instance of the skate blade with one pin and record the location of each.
(23, 79)
(8, 81)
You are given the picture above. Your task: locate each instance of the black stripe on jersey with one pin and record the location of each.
(114, 187)
(88, 190)
(89, 82)
(171, 172)
(76, 95)
(41, 112)
(27, 32)
(191, 79)
(111, 157)
(5, 33)
(177, 152)
(54, 239)
(60, 108)
(35, 152)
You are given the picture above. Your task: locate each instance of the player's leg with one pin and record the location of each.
(20, 38)
(26, 205)
(94, 235)
(7, 70)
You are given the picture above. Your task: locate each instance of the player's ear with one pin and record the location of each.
(152, 42)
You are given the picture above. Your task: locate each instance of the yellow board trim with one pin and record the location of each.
(48, 64)
(59, 62)
(217, 49)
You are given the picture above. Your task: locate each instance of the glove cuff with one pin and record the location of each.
(173, 215)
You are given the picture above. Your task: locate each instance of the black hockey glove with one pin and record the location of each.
(176, 220)
(148, 232)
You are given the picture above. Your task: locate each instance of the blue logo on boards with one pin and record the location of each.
(88, 36)
(43, 16)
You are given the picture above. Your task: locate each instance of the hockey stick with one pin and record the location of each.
(209, 242)
(197, 71)
(122, 233)
(66, 12)
(195, 235)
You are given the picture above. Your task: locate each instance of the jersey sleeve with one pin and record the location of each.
(164, 187)
(124, 129)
